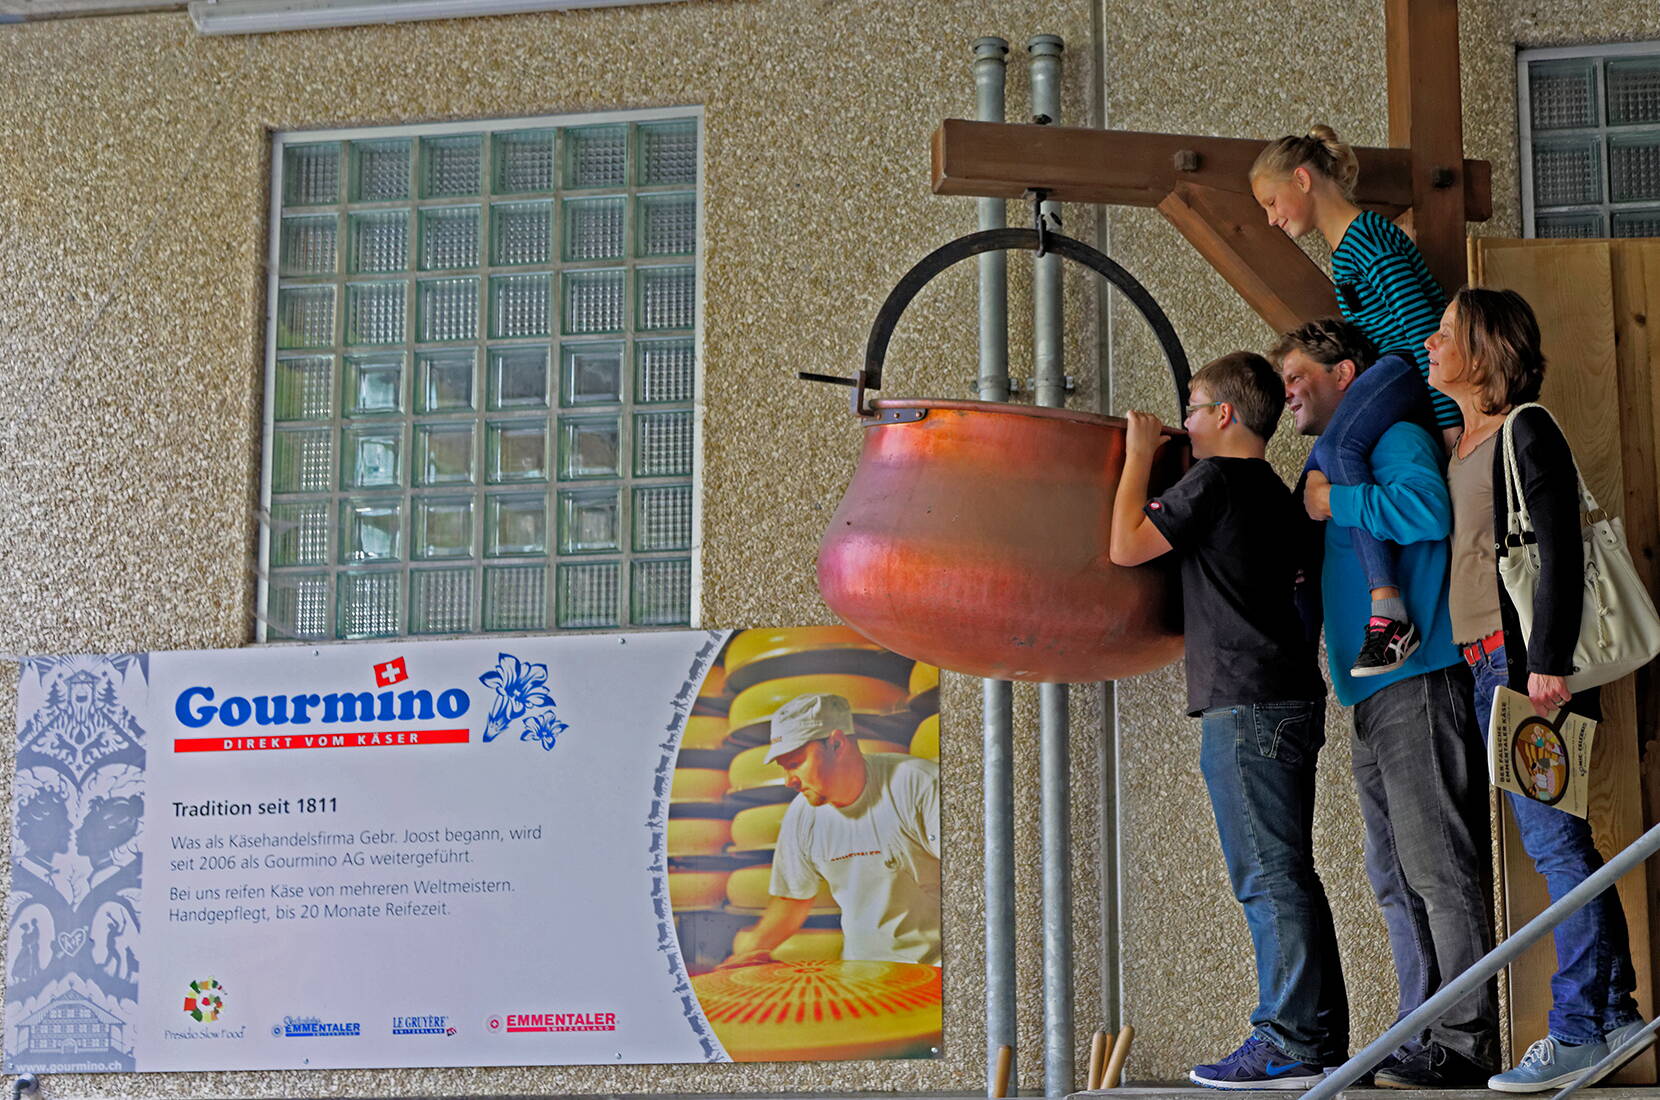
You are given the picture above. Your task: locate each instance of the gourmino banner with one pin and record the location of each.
(521, 851)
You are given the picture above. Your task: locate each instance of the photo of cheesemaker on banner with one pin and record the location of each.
(804, 848)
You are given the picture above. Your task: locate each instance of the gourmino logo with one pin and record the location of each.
(205, 1001)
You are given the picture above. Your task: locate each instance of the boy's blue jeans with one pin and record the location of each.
(1591, 990)
(1386, 393)
(1258, 762)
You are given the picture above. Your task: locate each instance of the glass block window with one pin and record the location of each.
(1590, 156)
(482, 366)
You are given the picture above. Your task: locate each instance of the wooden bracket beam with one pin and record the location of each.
(1425, 119)
(1127, 168)
(1273, 275)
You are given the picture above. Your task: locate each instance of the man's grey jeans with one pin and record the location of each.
(1420, 770)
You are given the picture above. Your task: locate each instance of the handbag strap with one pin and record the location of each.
(1521, 523)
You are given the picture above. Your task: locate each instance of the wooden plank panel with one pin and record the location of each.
(1128, 168)
(1273, 275)
(1572, 289)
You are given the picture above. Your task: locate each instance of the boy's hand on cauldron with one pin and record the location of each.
(1141, 434)
(1317, 495)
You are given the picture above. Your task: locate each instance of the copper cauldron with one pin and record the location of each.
(974, 534)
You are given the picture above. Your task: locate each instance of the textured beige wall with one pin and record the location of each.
(1262, 68)
(133, 213)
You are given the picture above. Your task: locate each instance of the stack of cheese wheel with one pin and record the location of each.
(755, 828)
(698, 836)
(691, 891)
(822, 1010)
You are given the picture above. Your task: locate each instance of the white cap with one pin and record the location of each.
(808, 718)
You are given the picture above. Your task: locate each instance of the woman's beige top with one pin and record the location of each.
(1473, 596)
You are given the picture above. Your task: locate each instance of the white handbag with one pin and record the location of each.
(1619, 630)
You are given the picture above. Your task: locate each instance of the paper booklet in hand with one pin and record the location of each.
(1546, 759)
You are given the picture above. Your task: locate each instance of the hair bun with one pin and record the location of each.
(1324, 134)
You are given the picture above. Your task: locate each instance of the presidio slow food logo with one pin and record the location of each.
(314, 720)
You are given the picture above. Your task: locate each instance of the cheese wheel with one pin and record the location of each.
(757, 827)
(714, 683)
(823, 1010)
(926, 740)
(750, 769)
(924, 677)
(691, 890)
(697, 785)
(864, 694)
(704, 731)
(809, 943)
(751, 888)
(749, 646)
(698, 836)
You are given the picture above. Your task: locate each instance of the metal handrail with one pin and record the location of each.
(1413, 1022)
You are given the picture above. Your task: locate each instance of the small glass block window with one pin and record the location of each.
(380, 170)
(379, 242)
(483, 377)
(1591, 140)
(1637, 223)
(449, 237)
(308, 245)
(591, 374)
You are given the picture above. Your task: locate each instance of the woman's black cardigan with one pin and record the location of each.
(1550, 488)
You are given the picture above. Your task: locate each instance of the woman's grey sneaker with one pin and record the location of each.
(1549, 1064)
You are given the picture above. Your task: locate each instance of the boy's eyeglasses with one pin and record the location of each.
(1189, 410)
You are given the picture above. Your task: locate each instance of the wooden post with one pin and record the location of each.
(1426, 119)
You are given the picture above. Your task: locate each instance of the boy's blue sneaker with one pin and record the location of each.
(1258, 1064)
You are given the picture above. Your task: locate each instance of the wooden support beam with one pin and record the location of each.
(1425, 120)
(1127, 168)
(1273, 275)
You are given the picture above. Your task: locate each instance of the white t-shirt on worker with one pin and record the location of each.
(880, 855)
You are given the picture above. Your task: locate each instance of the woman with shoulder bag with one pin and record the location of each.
(1486, 356)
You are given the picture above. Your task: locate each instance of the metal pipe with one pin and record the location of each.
(1054, 711)
(1632, 856)
(997, 696)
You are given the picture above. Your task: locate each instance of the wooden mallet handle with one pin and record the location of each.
(1120, 1051)
(1005, 1059)
(1098, 1058)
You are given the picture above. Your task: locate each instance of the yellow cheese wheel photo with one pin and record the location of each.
(821, 1010)
(698, 836)
(751, 888)
(809, 943)
(926, 740)
(697, 785)
(924, 677)
(704, 731)
(693, 890)
(757, 827)
(864, 694)
(714, 684)
(749, 646)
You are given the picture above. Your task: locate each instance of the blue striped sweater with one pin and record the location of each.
(1384, 287)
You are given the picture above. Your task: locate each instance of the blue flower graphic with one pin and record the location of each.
(518, 686)
(544, 728)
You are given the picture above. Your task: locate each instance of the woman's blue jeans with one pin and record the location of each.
(1258, 762)
(1591, 990)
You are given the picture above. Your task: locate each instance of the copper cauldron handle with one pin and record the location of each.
(1001, 240)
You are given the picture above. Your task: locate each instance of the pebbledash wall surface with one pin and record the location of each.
(133, 222)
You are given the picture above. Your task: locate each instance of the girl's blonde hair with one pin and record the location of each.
(1318, 150)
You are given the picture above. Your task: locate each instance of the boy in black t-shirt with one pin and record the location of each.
(1253, 683)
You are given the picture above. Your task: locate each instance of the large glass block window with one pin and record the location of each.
(482, 361)
(1590, 122)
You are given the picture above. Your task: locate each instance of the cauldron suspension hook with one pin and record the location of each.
(1039, 240)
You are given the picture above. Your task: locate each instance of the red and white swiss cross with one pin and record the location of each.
(391, 672)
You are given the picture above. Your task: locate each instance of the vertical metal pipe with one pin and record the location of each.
(997, 696)
(1049, 377)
